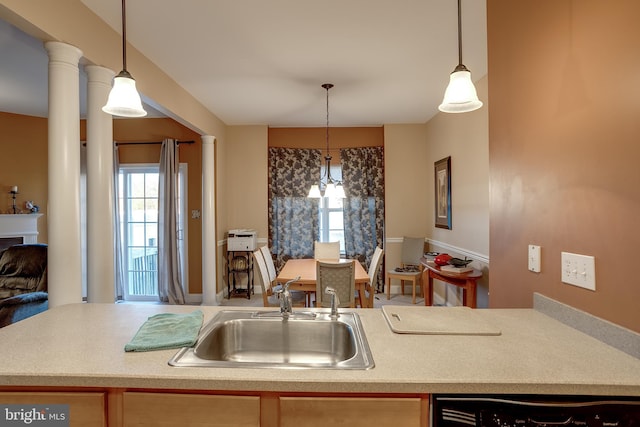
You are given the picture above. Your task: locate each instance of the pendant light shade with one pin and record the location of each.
(124, 99)
(460, 95)
(340, 192)
(314, 192)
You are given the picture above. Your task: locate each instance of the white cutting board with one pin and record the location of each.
(436, 320)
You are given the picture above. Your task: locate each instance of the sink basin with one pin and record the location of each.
(264, 339)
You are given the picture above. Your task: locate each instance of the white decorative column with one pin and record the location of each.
(100, 191)
(209, 242)
(63, 212)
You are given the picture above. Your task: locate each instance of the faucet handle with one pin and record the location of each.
(281, 289)
(287, 284)
(335, 301)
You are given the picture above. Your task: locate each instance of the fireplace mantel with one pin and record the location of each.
(20, 225)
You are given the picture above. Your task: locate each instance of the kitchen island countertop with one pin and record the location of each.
(82, 345)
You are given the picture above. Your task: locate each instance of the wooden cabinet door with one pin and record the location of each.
(353, 412)
(85, 409)
(193, 410)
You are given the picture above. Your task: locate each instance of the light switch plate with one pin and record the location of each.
(534, 258)
(579, 270)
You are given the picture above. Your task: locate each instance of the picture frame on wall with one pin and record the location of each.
(442, 171)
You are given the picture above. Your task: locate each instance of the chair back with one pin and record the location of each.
(412, 250)
(271, 268)
(374, 267)
(265, 283)
(326, 250)
(340, 276)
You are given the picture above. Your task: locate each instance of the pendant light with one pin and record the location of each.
(332, 188)
(461, 95)
(124, 99)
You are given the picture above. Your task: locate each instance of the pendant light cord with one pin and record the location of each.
(124, 37)
(327, 129)
(327, 158)
(459, 34)
(327, 86)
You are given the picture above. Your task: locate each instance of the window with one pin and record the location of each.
(138, 192)
(139, 221)
(331, 215)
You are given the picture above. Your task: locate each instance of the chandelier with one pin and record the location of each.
(331, 187)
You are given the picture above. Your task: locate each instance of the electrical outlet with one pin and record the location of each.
(579, 270)
(534, 258)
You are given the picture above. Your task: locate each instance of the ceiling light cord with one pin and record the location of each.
(459, 35)
(124, 37)
(327, 86)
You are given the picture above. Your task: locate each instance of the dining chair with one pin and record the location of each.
(340, 276)
(326, 250)
(374, 268)
(271, 268)
(410, 266)
(268, 297)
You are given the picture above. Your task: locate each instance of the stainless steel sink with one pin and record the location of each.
(264, 339)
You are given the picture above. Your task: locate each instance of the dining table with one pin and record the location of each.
(305, 268)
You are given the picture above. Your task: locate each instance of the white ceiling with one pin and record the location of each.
(263, 62)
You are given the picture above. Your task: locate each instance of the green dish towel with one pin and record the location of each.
(167, 330)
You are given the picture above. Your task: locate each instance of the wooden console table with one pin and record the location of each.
(466, 281)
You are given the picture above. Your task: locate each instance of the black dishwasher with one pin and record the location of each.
(534, 411)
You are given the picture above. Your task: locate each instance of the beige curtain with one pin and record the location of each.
(169, 268)
(119, 254)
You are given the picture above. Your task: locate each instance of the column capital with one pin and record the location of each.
(63, 52)
(208, 139)
(97, 73)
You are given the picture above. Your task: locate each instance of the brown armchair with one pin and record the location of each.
(23, 282)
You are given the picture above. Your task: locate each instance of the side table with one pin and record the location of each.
(467, 281)
(239, 262)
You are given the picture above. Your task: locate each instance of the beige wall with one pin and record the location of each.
(24, 134)
(246, 168)
(406, 174)
(564, 151)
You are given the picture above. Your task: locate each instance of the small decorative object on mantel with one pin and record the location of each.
(13, 192)
(31, 207)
